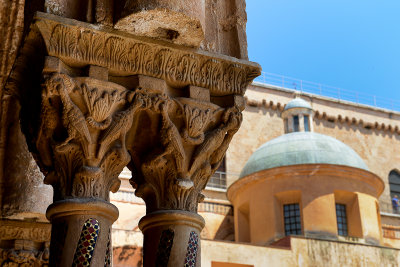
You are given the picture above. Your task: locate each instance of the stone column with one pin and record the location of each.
(109, 100)
(301, 122)
(182, 22)
(185, 142)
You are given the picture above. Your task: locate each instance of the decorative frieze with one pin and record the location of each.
(38, 232)
(121, 53)
(24, 243)
(320, 115)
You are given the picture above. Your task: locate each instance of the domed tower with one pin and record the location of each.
(308, 184)
(297, 116)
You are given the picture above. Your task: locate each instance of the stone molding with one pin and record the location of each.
(38, 232)
(391, 231)
(27, 243)
(360, 175)
(75, 42)
(324, 116)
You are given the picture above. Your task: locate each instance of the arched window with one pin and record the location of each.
(394, 183)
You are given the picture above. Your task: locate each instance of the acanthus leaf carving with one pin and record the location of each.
(193, 143)
(118, 52)
(84, 126)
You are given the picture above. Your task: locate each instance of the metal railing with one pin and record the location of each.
(388, 208)
(328, 91)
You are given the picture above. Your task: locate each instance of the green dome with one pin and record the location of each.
(297, 103)
(302, 148)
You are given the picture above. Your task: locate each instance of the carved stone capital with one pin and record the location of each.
(190, 138)
(81, 139)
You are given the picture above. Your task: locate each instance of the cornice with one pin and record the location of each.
(78, 43)
(305, 170)
(320, 115)
(39, 232)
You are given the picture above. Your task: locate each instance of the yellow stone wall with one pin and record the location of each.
(302, 252)
(373, 133)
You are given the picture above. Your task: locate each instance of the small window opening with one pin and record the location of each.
(306, 123)
(394, 185)
(341, 218)
(291, 213)
(218, 179)
(296, 123)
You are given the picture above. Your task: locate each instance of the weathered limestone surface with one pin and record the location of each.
(11, 35)
(216, 26)
(24, 194)
(181, 22)
(24, 243)
(225, 30)
(302, 252)
(83, 10)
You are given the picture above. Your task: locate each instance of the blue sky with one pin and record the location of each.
(353, 44)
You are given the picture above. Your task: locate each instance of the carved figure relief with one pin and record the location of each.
(81, 141)
(194, 137)
(179, 68)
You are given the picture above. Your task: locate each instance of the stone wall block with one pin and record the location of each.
(181, 22)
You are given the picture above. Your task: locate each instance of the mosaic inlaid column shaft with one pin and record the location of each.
(80, 232)
(171, 238)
